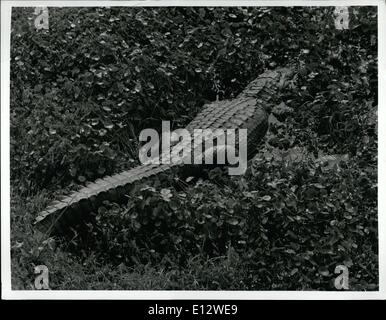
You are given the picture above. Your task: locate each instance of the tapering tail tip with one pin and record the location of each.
(63, 214)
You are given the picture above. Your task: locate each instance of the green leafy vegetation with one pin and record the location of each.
(82, 91)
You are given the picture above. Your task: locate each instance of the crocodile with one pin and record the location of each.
(249, 110)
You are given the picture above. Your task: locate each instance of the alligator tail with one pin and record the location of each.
(65, 212)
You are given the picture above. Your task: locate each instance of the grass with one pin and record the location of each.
(305, 225)
(70, 272)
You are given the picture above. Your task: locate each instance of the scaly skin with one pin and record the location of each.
(249, 110)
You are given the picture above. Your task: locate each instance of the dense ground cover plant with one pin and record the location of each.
(82, 91)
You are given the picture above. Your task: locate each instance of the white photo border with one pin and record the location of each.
(8, 293)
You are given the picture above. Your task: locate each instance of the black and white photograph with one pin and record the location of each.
(170, 148)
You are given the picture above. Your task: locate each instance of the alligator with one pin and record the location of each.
(249, 110)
